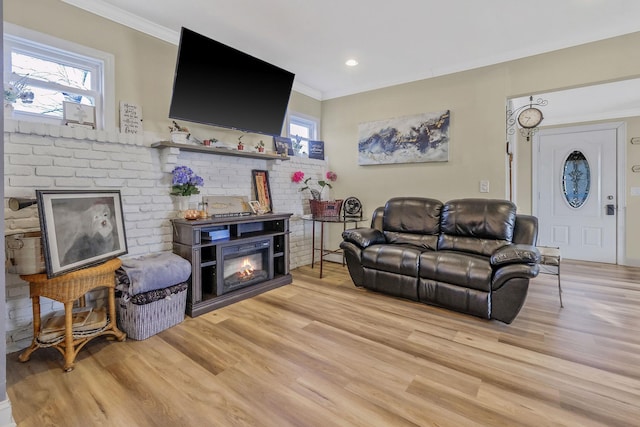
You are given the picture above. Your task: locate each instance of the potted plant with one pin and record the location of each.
(240, 144)
(319, 207)
(179, 134)
(184, 184)
(260, 146)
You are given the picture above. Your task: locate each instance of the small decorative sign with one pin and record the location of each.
(223, 206)
(130, 118)
(79, 114)
(316, 150)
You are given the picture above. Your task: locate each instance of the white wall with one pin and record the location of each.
(56, 157)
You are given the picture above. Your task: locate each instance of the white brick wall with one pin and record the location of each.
(41, 156)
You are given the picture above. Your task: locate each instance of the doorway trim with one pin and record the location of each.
(621, 162)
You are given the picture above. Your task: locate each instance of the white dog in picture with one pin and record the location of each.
(96, 235)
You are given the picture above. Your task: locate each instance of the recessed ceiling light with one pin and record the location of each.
(351, 62)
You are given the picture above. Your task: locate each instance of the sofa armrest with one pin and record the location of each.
(363, 237)
(515, 254)
(503, 275)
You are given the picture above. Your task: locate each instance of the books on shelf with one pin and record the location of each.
(84, 319)
(215, 234)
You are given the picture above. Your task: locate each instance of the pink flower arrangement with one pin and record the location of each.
(298, 177)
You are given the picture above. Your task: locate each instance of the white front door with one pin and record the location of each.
(576, 195)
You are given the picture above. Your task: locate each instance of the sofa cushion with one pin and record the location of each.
(413, 221)
(479, 226)
(457, 268)
(398, 259)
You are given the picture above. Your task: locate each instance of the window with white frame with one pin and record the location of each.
(301, 130)
(41, 72)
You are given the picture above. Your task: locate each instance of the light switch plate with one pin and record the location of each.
(484, 186)
(635, 191)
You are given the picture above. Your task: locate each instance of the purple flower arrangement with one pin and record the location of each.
(185, 182)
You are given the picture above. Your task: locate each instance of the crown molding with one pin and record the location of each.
(127, 19)
(307, 90)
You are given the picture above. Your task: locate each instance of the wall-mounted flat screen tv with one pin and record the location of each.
(218, 85)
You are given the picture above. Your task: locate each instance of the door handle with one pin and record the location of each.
(611, 209)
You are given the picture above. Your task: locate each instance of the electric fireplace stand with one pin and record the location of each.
(216, 245)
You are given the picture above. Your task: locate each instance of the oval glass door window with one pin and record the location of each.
(576, 179)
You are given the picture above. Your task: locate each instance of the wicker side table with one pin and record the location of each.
(67, 289)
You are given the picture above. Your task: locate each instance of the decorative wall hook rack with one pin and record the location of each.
(526, 118)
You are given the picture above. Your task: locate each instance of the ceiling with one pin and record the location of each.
(394, 41)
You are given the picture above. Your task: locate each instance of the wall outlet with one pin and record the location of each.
(635, 191)
(484, 186)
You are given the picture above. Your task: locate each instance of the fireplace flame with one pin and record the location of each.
(246, 270)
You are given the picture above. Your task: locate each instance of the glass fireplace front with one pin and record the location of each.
(244, 264)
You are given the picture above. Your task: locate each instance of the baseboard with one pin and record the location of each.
(632, 262)
(333, 258)
(6, 419)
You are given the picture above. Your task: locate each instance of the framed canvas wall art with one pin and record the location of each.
(410, 139)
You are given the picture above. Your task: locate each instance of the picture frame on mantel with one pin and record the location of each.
(80, 228)
(79, 115)
(262, 190)
(316, 150)
(283, 145)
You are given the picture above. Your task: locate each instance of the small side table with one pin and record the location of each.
(324, 220)
(550, 257)
(66, 289)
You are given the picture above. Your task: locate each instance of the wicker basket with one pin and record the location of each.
(323, 208)
(24, 251)
(143, 321)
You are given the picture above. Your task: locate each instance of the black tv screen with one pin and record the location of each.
(218, 85)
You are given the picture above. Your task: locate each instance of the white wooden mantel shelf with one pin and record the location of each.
(220, 151)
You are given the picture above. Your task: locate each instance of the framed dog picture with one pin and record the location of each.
(80, 228)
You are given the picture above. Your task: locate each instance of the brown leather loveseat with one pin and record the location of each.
(475, 256)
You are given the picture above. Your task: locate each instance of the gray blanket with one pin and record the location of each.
(155, 271)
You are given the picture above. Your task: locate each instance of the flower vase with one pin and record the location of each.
(179, 137)
(181, 204)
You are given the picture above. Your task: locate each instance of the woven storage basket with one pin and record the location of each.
(145, 320)
(325, 207)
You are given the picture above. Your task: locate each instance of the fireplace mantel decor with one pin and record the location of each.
(232, 258)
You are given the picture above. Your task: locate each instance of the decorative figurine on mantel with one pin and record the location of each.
(179, 134)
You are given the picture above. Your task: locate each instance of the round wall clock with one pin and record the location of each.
(352, 207)
(530, 117)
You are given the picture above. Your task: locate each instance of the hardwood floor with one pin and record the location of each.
(324, 353)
